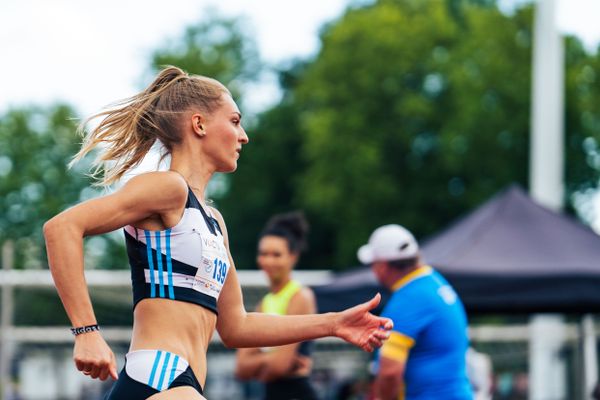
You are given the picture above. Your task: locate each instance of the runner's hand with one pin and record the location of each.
(358, 326)
(93, 357)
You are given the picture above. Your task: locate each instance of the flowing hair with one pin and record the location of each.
(129, 128)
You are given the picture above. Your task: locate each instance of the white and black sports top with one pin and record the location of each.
(188, 262)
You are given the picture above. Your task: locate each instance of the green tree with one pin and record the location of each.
(265, 182)
(36, 145)
(268, 179)
(409, 114)
(220, 47)
(428, 118)
(582, 117)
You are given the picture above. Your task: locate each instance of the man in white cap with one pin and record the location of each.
(424, 358)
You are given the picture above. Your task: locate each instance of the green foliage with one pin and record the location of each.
(42, 307)
(411, 113)
(218, 47)
(428, 119)
(35, 146)
(264, 182)
(582, 118)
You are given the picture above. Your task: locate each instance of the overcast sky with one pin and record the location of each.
(92, 53)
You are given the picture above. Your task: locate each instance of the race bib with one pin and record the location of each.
(214, 266)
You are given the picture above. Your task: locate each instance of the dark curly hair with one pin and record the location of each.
(291, 226)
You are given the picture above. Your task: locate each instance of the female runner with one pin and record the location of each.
(184, 281)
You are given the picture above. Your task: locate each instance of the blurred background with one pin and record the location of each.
(359, 112)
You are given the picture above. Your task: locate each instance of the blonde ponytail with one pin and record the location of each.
(129, 128)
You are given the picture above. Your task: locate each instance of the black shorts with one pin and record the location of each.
(297, 388)
(127, 388)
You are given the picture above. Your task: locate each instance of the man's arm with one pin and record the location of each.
(390, 377)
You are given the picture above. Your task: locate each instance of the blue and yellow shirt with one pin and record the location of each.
(430, 321)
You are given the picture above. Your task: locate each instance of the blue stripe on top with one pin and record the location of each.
(154, 367)
(159, 263)
(173, 370)
(164, 370)
(150, 262)
(169, 264)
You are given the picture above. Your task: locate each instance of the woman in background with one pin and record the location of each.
(285, 370)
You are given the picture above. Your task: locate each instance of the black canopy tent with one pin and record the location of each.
(348, 289)
(509, 255)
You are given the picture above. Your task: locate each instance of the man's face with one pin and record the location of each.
(379, 268)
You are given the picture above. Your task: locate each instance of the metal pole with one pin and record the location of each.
(6, 320)
(547, 369)
(590, 355)
(546, 162)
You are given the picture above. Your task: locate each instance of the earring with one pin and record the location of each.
(202, 131)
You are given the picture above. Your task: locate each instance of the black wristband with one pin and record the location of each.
(85, 329)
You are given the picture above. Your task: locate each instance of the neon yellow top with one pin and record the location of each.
(277, 303)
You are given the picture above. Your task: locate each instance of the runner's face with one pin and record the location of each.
(274, 258)
(225, 136)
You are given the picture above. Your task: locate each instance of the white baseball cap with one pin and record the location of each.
(389, 243)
